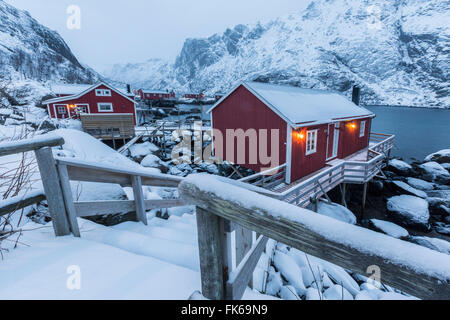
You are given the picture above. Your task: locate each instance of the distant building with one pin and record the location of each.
(150, 95)
(196, 96)
(102, 99)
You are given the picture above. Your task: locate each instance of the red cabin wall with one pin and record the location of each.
(350, 142)
(242, 110)
(120, 103)
(302, 164)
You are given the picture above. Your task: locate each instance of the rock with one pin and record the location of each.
(442, 156)
(389, 228)
(400, 167)
(48, 125)
(444, 195)
(337, 292)
(274, 283)
(290, 271)
(337, 212)
(439, 210)
(152, 161)
(434, 172)
(139, 151)
(376, 187)
(433, 244)
(446, 166)
(410, 211)
(288, 293)
(401, 187)
(443, 229)
(313, 294)
(420, 184)
(92, 191)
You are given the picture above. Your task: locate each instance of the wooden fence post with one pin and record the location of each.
(53, 191)
(211, 255)
(244, 242)
(68, 200)
(141, 213)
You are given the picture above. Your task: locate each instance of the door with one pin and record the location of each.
(337, 126)
(333, 140)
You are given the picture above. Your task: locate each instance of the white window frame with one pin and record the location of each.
(105, 103)
(103, 92)
(62, 106)
(311, 145)
(85, 105)
(362, 129)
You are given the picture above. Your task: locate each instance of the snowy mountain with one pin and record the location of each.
(30, 51)
(397, 51)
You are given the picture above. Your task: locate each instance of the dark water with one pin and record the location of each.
(419, 131)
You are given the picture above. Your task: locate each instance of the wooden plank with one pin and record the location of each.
(93, 172)
(211, 255)
(432, 284)
(244, 242)
(239, 279)
(99, 208)
(141, 213)
(30, 145)
(16, 203)
(68, 200)
(164, 203)
(53, 191)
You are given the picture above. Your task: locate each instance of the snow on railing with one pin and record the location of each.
(414, 269)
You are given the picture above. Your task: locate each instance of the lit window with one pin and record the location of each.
(62, 109)
(82, 109)
(105, 107)
(362, 129)
(311, 142)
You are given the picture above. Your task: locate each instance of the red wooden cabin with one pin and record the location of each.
(314, 126)
(155, 94)
(196, 96)
(72, 100)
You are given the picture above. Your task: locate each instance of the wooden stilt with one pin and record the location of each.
(344, 194)
(364, 200)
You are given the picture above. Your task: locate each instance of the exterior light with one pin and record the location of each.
(299, 135)
(352, 125)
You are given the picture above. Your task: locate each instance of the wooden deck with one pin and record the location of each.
(358, 168)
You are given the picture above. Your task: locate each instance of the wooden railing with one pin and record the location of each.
(415, 270)
(267, 179)
(56, 176)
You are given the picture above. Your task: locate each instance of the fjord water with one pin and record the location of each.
(419, 131)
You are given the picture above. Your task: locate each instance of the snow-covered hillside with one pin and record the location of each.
(31, 54)
(396, 50)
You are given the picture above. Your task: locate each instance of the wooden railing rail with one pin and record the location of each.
(416, 270)
(16, 203)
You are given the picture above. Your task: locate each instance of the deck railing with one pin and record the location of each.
(416, 270)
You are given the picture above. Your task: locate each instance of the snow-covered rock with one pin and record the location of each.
(433, 171)
(399, 167)
(433, 243)
(141, 150)
(152, 161)
(290, 271)
(337, 212)
(410, 211)
(389, 228)
(404, 188)
(420, 184)
(289, 293)
(442, 156)
(337, 292)
(313, 294)
(91, 191)
(274, 283)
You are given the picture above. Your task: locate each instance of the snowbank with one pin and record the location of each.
(337, 212)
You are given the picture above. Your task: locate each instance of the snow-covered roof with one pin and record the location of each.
(154, 91)
(300, 107)
(74, 91)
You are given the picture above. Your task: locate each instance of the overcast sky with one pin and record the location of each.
(135, 30)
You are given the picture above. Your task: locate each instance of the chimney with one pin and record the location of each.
(356, 95)
(128, 88)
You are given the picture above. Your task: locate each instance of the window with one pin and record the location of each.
(83, 108)
(105, 107)
(103, 93)
(62, 109)
(362, 129)
(311, 142)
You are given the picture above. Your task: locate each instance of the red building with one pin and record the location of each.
(196, 96)
(155, 94)
(313, 127)
(72, 100)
